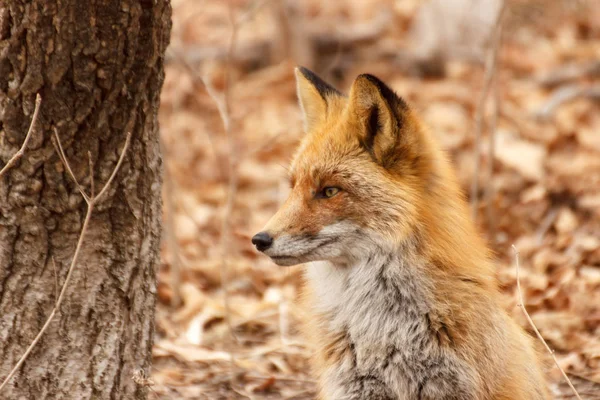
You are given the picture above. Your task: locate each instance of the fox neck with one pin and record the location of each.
(364, 294)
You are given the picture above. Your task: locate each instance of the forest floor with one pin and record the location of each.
(227, 318)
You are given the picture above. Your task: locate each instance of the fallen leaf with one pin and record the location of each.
(525, 157)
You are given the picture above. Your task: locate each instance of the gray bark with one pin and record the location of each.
(99, 68)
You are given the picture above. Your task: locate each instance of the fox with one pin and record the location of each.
(402, 296)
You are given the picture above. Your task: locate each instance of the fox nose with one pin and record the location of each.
(262, 241)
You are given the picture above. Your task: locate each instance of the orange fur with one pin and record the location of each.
(397, 186)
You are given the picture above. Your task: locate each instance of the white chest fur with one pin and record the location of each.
(377, 294)
(382, 306)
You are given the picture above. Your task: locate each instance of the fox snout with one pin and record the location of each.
(285, 248)
(262, 241)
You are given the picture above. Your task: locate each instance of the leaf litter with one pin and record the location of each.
(546, 173)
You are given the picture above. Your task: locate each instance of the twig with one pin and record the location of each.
(595, 381)
(224, 107)
(535, 329)
(91, 202)
(224, 111)
(231, 190)
(489, 189)
(546, 224)
(63, 158)
(19, 154)
(565, 95)
(222, 103)
(175, 268)
(265, 145)
(570, 72)
(254, 8)
(114, 173)
(55, 281)
(199, 83)
(92, 189)
(490, 70)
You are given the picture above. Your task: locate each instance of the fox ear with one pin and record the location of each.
(380, 114)
(313, 94)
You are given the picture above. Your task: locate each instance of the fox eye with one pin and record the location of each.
(328, 192)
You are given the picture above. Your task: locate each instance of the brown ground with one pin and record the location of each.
(546, 176)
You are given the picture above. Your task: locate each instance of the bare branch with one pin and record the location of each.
(58, 302)
(535, 329)
(55, 281)
(114, 173)
(198, 81)
(91, 202)
(569, 73)
(253, 10)
(266, 144)
(490, 70)
(567, 94)
(63, 158)
(91, 173)
(221, 103)
(224, 110)
(173, 245)
(19, 154)
(489, 189)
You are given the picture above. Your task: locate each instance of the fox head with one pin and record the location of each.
(362, 175)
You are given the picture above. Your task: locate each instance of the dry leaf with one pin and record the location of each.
(525, 157)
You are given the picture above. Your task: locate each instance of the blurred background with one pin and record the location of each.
(511, 90)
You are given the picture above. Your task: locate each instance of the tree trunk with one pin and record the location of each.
(99, 69)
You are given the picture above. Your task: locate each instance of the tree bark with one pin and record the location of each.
(98, 66)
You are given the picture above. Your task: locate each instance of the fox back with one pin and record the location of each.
(400, 287)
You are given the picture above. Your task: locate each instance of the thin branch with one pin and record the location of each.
(546, 224)
(570, 72)
(224, 111)
(63, 158)
(265, 145)
(173, 245)
(114, 173)
(220, 102)
(19, 154)
(58, 302)
(565, 95)
(200, 83)
(55, 281)
(489, 189)
(535, 329)
(490, 70)
(254, 8)
(92, 189)
(91, 202)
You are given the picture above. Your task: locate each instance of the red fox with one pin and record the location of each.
(402, 293)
